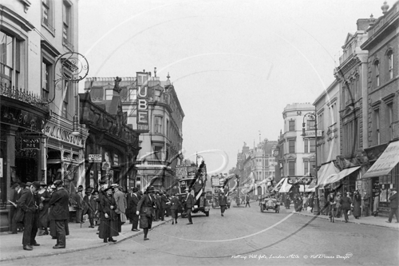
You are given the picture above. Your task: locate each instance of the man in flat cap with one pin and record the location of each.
(28, 202)
(59, 212)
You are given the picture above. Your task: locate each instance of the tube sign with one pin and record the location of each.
(142, 110)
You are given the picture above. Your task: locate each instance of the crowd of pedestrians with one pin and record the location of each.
(39, 210)
(337, 205)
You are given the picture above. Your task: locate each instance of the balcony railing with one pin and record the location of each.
(22, 95)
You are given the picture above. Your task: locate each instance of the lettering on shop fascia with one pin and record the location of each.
(59, 133)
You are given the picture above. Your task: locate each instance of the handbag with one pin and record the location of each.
(19, 216)
(148, 212)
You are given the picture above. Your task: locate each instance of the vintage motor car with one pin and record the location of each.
(269, 203)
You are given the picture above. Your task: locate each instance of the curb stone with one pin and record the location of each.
(66, 251)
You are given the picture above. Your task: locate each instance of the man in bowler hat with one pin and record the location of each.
(59, 212)
(28, 202)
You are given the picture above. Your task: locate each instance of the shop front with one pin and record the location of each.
(64, 153)
(382, 176)
(112, 146)
(21, 144)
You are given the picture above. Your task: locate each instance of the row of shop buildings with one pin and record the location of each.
(120, 130)
(355, 120)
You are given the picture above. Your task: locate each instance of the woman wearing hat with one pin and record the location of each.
(108, 216)
(357, 201)
(44, 196)
(145, 208)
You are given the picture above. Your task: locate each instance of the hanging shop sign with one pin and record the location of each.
(142, 110)
(116, 160)
(95, 158)
(60, 133)
(28, 143)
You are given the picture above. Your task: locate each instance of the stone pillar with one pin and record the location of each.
(10, 137)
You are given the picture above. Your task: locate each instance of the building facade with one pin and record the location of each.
(382, 104)
(153, 109)
(329, 122)
(295, 153)
(38, 96)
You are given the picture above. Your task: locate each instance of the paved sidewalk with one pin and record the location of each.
(80, 238)
(369, 220)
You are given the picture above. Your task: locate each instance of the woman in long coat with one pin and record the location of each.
(145, 208)
(357, 201)
(108, 217)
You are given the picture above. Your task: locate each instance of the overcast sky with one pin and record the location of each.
(235, 64)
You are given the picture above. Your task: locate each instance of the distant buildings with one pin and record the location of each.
(259, 161)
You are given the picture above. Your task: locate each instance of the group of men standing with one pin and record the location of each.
(29, 207)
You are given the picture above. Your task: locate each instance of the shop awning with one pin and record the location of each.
(386, 162)
(324, 173)
(336, 177)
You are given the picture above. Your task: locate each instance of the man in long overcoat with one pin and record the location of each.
(121, 204)
(28, 202)
(145, 208)
(89, 206)
(132, 201)
(222, 202)
(346, 205)
(189, 203)
(163, 199)
(59, 212)
(175, 205)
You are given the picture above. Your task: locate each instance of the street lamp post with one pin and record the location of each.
(312, 115)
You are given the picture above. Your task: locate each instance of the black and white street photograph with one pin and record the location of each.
(199, 132)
